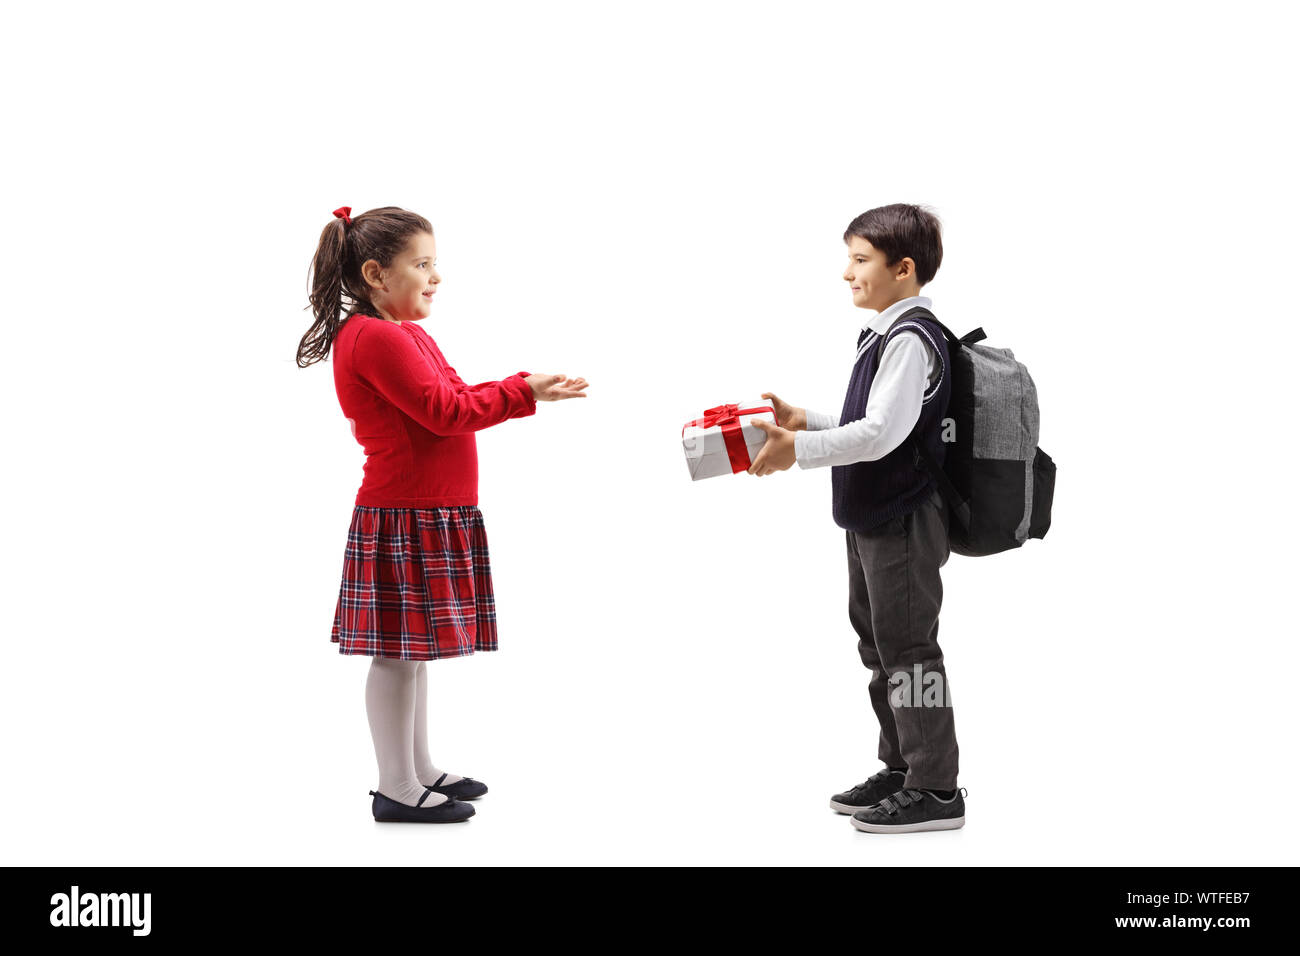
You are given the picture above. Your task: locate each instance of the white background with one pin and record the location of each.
(652, 198)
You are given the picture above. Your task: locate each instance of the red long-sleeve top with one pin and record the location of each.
(414, 416)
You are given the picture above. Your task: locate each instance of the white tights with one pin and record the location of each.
(397, 706)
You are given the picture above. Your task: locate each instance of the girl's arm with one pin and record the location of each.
(392, 364)
(461, 384)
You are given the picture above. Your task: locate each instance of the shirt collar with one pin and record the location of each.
(881, 321)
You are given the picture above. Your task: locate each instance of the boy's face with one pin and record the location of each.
(875, 284)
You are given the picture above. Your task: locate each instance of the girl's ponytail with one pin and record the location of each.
(336, 282)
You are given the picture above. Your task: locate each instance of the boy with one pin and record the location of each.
(895, 521)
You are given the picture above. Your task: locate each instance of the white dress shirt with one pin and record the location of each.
(907, 369)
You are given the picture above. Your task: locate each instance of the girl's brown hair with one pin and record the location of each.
(337, 289)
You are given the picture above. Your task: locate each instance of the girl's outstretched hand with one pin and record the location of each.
(787, 415)
(553, 388)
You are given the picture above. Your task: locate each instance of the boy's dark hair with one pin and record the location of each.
(902, 231)
(335, 277)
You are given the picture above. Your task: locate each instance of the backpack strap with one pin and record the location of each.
(905, 323)
(970, 338)
(946, 488)
(922, 458)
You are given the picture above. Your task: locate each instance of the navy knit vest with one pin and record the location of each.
(868, 493)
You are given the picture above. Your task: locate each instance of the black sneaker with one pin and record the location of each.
(870, 791)
(910, 811)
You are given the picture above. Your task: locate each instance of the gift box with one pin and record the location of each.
(724, 441)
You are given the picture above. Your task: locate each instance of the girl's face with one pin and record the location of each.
(404, 290)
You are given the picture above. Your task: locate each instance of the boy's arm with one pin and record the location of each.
(893, 408)
(390, 362)
(817, 421)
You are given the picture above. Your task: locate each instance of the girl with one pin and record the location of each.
(416, 581)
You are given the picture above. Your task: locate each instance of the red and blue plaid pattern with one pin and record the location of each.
(416, 584)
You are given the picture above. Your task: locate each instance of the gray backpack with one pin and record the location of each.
(997, 482)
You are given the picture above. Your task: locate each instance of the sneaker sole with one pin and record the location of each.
(847, 808)
(953, 823)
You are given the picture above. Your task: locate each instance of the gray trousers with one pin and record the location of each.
(894, 598)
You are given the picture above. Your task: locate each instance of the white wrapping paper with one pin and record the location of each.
(706, 449)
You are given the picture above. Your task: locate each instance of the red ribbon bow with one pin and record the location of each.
(728, 417)
(344, 213)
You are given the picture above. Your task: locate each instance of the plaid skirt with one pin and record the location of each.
(416, 584)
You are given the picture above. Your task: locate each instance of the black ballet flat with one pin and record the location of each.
(390, 811)
(466, 788)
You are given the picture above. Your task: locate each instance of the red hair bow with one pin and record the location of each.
(344, 213)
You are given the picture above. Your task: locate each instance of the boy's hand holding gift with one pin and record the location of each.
(787, 416)
(778, 451)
